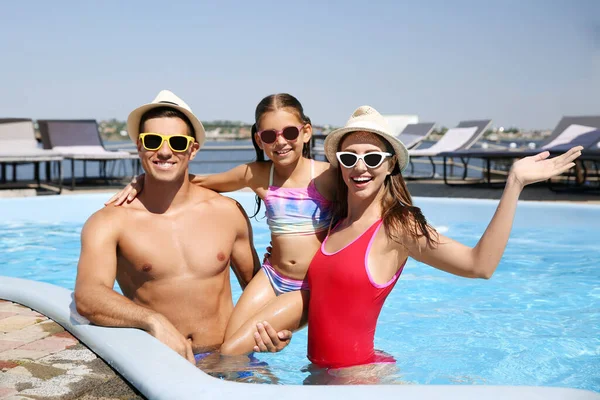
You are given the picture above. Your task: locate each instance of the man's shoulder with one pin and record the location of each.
(108, 213)
(221, 204)
(107, 216)
(226, 204)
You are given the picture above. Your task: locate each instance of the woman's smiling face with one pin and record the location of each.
(362, 181)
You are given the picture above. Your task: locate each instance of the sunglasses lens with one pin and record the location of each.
(178, 143)
(268, 136)
(152, 142)
(373, 160)
(348, 160)
(291, 133)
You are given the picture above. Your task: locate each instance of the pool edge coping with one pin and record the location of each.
(139, 357)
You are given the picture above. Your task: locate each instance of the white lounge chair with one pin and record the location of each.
(18, 146)
(465, 135)
(568, 131)
(79, 140)
(413, 134)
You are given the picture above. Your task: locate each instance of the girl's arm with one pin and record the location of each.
(481, 261)
(242, 176)
(236, 178)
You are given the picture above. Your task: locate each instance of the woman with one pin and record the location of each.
(375, 228)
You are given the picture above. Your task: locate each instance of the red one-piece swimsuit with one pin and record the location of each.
(345, 304)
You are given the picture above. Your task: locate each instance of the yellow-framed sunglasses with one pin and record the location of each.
(177, 143)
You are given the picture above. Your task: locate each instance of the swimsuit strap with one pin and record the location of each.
(271, 174)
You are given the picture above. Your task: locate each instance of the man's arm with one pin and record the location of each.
(95, 298)
(244, 260)
(96, 273)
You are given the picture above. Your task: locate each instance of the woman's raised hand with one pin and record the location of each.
(128, 193)
(538, 168)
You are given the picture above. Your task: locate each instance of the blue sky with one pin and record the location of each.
(522, 63)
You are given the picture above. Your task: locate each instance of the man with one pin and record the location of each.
(169, 249)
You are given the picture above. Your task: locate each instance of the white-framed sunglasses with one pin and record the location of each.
(371, 159)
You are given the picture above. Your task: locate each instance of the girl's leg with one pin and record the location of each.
(257, 294)
(288, 311)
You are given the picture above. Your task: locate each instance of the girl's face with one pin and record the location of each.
(363, 181)
(283, 125)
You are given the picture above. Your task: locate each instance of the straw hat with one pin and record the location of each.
(365, 119)
(165, 98)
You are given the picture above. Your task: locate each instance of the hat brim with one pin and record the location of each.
(332, 142)
(133, 121)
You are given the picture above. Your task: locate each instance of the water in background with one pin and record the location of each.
(213, 161)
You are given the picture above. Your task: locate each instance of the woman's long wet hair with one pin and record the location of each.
(397, 210)
(274, 102)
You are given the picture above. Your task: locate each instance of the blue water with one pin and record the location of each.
(536, 322)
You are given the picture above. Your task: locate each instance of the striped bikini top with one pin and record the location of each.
(296, 211)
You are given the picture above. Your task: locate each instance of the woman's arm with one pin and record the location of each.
(481, 261)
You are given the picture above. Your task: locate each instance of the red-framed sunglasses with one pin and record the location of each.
(289, 133)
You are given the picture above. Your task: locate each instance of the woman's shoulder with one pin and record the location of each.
(409, 232)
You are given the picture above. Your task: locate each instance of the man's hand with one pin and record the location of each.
(162, 329)
(267, 340)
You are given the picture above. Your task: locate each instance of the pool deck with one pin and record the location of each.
(39, 359)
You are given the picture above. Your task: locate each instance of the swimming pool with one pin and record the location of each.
(536, 322)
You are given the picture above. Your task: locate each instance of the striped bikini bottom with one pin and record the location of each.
(282, 284)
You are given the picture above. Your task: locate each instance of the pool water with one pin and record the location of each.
(536, 322)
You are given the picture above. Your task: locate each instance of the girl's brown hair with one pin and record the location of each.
(274, 102)
(398, 212)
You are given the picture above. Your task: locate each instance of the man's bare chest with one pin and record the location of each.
(162, 248)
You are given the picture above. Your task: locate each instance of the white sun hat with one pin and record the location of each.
(165, 98)
(365, 119)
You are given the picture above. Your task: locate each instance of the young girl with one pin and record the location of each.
(296, 191)
(376, 228)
